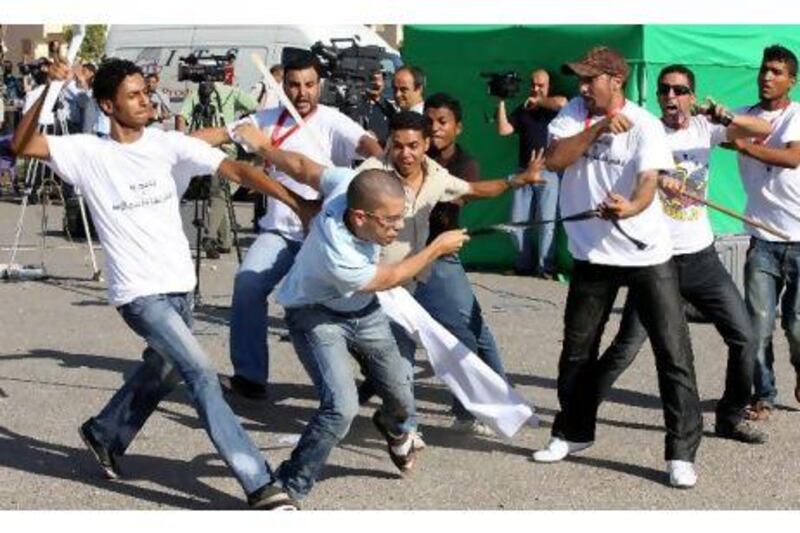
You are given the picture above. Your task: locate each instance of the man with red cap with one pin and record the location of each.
(610, 152)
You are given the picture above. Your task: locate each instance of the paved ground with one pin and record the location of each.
(64, 352)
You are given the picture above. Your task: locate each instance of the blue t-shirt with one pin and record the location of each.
(333, 265)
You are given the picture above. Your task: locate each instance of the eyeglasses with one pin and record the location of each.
(387, 222)
(679, 90)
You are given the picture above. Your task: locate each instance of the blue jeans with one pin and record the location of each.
(543, 206)
(772, 268)
(447, 295)
(322, 339)
(172, 354)
(267, 261)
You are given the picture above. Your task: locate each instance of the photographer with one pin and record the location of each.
(540, 202)
(158, 99)
(226, 100)
(378, 109)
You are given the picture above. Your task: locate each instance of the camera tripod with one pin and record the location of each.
(41, 180)
(207, 115)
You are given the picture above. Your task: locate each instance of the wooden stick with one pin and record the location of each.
(737, 216)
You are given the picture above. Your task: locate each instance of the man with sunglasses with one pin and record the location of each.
(770, 170)
(610, 151)
(702, 279)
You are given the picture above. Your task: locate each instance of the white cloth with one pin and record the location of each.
(482, 392)
(133, 191)
(612, 164)
(773, 193)
(691, 146)
(341, 136)
(46, 117)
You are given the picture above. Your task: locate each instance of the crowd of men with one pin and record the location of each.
(333, 236)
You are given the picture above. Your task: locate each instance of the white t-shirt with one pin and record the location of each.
(340, 135)
(773, 193)
(691, 148)
(612, 164)
(133, 191)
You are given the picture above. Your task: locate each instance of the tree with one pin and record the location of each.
(94, 43)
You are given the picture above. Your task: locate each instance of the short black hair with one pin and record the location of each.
(678, 69)
(440, 100)
(370, 186)
(416, 73)
(110, 76)
(777, 52)
(411, 120)
(301, 60)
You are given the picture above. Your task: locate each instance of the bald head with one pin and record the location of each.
(370, 188)
(540, 83)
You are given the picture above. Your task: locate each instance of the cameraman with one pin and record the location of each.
(378, 109)
(536, 202)
(226, 101)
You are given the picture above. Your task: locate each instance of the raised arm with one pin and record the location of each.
(369, 147)
(562, 153)
(27, 141)
(496, 187)
(785, 157)
(213, 136)
(504, 126)
(393, 275)
(296, 165)
(253, 178)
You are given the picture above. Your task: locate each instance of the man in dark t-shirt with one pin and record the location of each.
(540, 202)
(447, 294)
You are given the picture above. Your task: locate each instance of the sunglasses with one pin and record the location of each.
(679, 90)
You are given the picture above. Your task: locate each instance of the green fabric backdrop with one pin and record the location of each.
(725, 60)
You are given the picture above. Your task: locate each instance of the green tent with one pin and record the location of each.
(725, 60)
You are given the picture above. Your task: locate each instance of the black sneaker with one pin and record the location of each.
(742, 431)
(401, 449)
(106, 459)
(210, 248)
(243, 387)
(272, 498)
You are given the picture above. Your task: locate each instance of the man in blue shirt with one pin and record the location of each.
(331, 306)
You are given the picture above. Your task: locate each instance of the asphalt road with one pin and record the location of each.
(64, 352)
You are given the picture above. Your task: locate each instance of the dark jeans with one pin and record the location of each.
(704, 283)
(591, 296)
(772, 268)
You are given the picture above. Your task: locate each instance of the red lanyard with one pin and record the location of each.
(277, 140)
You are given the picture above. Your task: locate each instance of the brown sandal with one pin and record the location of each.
(760, 411)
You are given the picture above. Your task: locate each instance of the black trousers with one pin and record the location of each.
(591, 296)
(704, 283)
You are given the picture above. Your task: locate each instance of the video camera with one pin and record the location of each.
(503, 84)
(202, 66)
(37, 69)
(347, 71)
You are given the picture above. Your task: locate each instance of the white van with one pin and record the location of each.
(158, 47)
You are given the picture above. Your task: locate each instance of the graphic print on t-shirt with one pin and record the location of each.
(693, 172)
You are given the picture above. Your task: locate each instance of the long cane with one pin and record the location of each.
(731, 213)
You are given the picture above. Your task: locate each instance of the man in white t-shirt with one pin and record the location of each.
(770, 171)
(272, 254)
(610, 151)
(702, 278)
(132, 183)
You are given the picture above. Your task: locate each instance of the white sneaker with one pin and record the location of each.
(681, 474)
(557, 449)
(472, 427)
(416, 438)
